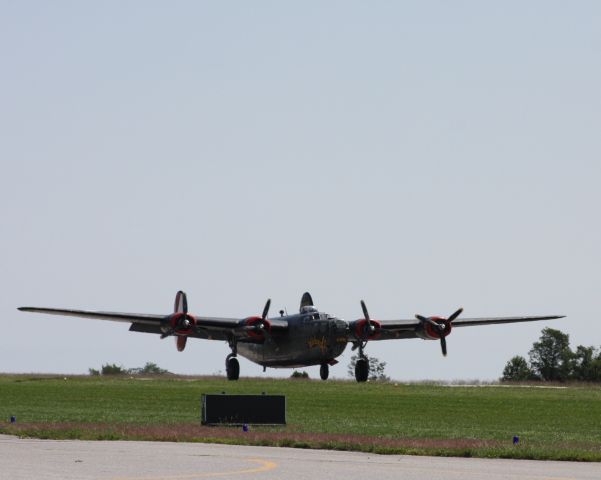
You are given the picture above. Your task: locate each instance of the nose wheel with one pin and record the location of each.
(324, 371)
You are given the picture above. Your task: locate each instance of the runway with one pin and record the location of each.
(22, 459)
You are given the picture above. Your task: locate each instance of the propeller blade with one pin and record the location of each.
(443, 344)
(432, 322)
(455, 315)
(440, 328)
(368, 328)
(181, 303)
(266, 309)
(257, 327)
(365, 313)
(180, 343)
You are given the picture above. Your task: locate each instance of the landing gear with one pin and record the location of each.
(362, 369)
(232, 367)
(362, 364)
(324, 371)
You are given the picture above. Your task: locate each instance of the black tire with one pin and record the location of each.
(324, 371)
(362, 370)
(233, 369)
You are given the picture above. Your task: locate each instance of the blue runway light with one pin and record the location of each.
(516, 440)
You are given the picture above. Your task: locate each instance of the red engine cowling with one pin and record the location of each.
(360, 329)
(182, 323)
(253, 330)
(428, 332)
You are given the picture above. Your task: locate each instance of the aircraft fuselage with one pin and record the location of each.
(312, 339)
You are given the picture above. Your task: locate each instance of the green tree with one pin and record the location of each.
(517, 370)
(551, 358)
(595, 371)
(112, 369)
(149, 368)
(376, 368)
(586, 364)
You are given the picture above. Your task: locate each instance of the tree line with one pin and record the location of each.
(551, 359)
(113, 369)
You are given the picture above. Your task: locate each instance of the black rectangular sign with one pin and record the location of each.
(241, 409)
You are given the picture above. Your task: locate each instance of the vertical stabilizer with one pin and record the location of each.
(306, 301)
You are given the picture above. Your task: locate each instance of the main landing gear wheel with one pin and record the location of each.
(362, 370)
(232, 368)
(324, 371)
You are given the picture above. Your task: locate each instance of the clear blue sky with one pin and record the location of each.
(419, 155)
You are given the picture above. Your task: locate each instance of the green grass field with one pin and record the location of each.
(552, 423)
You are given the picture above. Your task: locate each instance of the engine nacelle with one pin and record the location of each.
(360, 327)
(428, 332)
(253, 329)
(181, 323)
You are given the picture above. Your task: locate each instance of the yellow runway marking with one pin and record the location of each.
(265, 466)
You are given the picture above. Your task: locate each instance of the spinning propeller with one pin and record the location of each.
(439, 327)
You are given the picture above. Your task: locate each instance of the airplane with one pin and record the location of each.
(303, 339)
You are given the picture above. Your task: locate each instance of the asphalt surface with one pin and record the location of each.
(65, 459)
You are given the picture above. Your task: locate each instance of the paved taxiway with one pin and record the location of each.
(65, 460)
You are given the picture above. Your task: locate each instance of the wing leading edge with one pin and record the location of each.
(148, 319)
(212, 328)
(408, 328)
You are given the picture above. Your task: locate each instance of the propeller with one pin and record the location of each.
(369, 328)
(179, 320)
(364, 328)
(259, 325)
(442, 328)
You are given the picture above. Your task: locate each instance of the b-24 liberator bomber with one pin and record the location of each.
(303, 339)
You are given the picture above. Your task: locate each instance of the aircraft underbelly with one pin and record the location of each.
(297, 352)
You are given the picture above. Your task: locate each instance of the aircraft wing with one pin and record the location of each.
(469, 322)
(147, 319)
(411, 328)
(212, 328)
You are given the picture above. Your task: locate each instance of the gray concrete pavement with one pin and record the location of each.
(22, 459)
